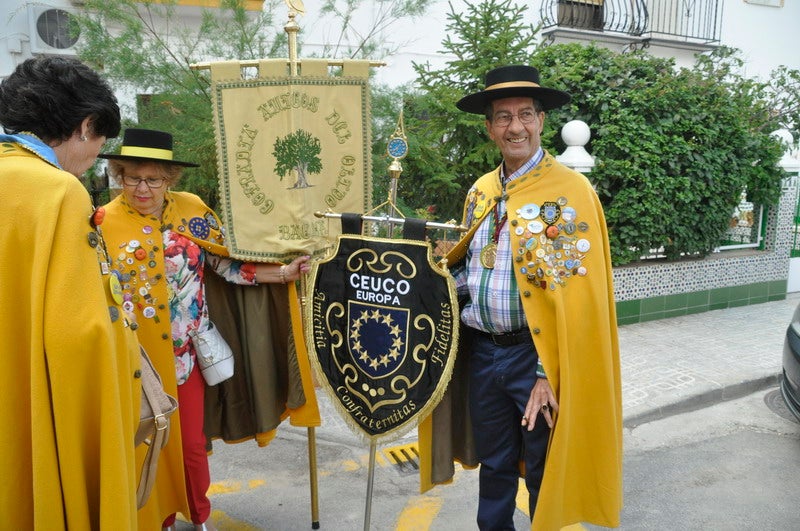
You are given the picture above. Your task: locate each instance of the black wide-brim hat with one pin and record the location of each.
(510, 82)
(147, 145)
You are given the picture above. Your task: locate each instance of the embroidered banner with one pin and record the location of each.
(383, 330)
(289, 146)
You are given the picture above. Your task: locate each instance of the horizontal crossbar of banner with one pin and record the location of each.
(255, 62)
(389, 219)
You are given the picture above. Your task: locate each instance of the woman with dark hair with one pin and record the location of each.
(70, 363)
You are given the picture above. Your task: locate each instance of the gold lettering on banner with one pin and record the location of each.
(286, 101)
(339, 127)
(244, 171)
(396, 417)
(303, 231)
(443, 335)
(339, 191)
(320, 338)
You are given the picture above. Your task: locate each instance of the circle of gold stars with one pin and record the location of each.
(383, 358)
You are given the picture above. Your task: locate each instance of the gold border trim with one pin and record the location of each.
(447, 371)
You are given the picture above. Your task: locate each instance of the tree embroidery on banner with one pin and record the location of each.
(298, 153)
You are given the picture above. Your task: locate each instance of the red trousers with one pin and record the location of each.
(195, 458)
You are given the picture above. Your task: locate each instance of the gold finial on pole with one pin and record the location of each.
(397, 148)
(296, 7)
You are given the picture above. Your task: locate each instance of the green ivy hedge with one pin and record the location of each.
(674, 147)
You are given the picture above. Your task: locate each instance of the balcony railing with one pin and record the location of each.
(691, 20)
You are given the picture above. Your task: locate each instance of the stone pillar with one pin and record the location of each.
(576, 135)
(787, 230)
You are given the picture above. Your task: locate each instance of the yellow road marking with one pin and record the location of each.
(379, 460)
(419, 513)
(224, 487)
(350, 466)
(255, 483)
(402, 455)
(223, 521)
(522, 498)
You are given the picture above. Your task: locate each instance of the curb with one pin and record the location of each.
(702, 400)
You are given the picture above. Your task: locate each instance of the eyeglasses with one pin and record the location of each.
(503, 119)
(151, 182)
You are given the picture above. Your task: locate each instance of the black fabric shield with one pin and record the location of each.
(382, 328)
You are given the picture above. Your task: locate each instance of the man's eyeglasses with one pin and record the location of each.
(503, 119)
(151, 182)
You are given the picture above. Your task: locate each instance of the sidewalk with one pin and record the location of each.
(685, 363)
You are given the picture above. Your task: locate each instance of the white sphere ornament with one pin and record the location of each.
(576, 135)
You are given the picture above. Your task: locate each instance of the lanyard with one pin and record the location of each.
(489, 252)
(498, 224)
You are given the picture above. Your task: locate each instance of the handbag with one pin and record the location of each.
(154, 419)
(213, 354)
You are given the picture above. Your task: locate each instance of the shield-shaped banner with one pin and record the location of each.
(382, 328)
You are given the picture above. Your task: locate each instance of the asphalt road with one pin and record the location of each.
(268, 488)
(730, 466)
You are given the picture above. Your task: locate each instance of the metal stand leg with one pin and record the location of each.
(370, 481)
(312, 477)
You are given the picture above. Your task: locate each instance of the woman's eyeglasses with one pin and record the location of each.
(151, 182)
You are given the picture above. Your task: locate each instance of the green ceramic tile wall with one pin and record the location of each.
(661, 307)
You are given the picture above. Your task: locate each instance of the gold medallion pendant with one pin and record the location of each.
(488, 255)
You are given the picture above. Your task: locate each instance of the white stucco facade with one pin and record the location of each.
(765, 31)
(767, 36)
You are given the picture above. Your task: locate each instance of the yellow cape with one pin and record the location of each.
(70, 397)
(572, 317)
(184, 211)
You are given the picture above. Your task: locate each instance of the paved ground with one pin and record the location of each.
(685, 363)
(669, 366)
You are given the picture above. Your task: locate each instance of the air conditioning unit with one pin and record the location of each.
(52, 30)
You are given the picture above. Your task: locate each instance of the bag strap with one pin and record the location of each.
(151, 390)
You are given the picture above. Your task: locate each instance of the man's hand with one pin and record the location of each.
(542, 401)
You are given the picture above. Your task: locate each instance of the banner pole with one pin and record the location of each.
(312, 476)
(312, 432)
(370, 481)
(291, 29)
(206, 65)
(388, 219)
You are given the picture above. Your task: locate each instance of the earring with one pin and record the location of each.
(83, 138)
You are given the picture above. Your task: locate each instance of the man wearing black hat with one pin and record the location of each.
(539, 325)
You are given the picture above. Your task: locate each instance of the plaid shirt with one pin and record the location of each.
(494, 304)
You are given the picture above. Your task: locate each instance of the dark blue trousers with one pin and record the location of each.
(501, 380)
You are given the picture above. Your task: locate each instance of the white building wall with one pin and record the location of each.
(765, 34)
(18, 37)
